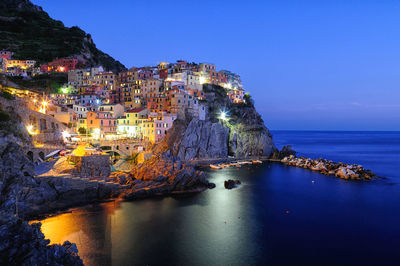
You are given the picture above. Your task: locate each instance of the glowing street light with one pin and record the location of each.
(31, 130)
(96, 133)
(64, 90)
(223, 116)
(43, 108)
(202, 80)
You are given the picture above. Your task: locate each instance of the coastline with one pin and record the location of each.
(150, 191)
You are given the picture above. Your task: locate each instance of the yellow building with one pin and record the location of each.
(148, 130)
(132, 94)
(23, 64)
(130, 124)
(134, 116)
(82, 123)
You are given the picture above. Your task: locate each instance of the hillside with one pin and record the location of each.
(30, 33)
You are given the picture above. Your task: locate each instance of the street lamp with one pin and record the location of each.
(223, 116)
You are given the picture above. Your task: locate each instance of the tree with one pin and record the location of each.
(82, 131)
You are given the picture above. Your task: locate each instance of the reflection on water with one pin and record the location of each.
(277, 216)
(88, 227)
(206, 228)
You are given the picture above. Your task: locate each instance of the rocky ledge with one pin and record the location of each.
(164, 176)
(326, 167)
(24, 244)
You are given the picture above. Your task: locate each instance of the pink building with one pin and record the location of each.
(60, 65)
(6, 54)
(102, 121)
(162, 124)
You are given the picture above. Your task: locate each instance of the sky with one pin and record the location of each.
(309, 65)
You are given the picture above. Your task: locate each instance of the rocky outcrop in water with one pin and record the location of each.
(285, 152)
(165, 176)
(326, 167)
(24, 244)
(229, 184)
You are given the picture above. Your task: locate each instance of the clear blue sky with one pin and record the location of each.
(308, 64)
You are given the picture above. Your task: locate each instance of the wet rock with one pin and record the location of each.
(229, 184)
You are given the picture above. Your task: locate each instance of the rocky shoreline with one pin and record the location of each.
(164, 175)
(24, 244)
(326, 167)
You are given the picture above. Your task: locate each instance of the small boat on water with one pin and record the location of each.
(257, 161)
(213, 166)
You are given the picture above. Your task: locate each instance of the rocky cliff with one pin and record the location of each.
(30, 33)
(242, 134)
(21, 195)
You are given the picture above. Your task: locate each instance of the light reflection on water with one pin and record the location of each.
(285, 218)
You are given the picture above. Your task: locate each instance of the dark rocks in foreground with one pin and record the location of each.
(229, 184)
(24, 244)
(326, 167)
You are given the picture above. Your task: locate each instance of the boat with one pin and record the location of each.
(213, 166)
(257, 161)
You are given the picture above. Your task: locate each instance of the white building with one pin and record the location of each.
(117, 109)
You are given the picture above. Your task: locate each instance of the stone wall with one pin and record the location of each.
(91, 166)
(49, 129)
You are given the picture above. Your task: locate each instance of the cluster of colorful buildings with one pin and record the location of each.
(140, 103)
(29, 68)
(14, 67)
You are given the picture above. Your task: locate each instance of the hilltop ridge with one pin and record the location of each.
(29, 32)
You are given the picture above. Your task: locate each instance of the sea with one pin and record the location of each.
(279, 215)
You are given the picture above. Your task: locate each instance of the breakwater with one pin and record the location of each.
(327, 167)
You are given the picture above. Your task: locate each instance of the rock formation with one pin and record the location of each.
(24, 244)
(19, 190)
(243, 134)
(326, 167)
(164, 175)
(229, 184)
(285, 152)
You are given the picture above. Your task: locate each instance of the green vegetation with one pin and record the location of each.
(32, 34)
(49, 82)
(82, 130)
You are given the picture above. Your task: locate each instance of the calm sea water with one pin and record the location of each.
(278, 216)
